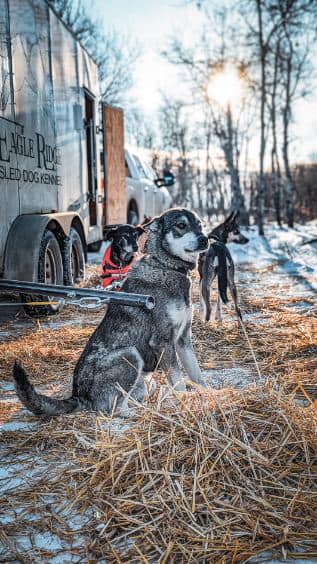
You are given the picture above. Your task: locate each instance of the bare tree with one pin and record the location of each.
(274, 97)
(223, 126)
(298, 29)
(140, 131)
(279, 32)
(114, 54)
(176, 136)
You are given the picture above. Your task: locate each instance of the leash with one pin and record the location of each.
(250, 345)
(8, 304)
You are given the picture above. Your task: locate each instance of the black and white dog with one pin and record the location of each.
(217, 261)
(132, 341)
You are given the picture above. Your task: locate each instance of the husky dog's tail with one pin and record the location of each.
(212, 263)
(222, 271)
(38, 403)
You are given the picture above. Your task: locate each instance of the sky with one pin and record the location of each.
(152, 23)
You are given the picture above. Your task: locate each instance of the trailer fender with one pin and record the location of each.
(24, 239)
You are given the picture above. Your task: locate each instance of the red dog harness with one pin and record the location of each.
(112, 272)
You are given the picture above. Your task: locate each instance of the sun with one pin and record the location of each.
(225, 87)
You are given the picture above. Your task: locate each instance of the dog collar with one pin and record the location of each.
(182, 269)
(215, 237)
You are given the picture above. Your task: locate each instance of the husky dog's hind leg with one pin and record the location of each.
(232, 286)
(207, 271)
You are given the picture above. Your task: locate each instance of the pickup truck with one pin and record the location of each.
(146, 193)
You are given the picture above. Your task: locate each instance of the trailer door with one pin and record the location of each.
(114, 167)
(90, 127)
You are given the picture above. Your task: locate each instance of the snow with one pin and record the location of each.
(279, 245)
(96, 258)
(229, 378)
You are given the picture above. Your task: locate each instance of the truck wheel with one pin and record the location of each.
(73, 258)
(50, 271)
(133, 216)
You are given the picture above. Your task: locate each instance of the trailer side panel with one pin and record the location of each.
(9, 194)
(38, 156)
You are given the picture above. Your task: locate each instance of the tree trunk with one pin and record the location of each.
(276, 171)
(261, 187)
(276, 178)
(288, 182)
(237, 198)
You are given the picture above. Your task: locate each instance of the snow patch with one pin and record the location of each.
(279, 244)
(229, 378)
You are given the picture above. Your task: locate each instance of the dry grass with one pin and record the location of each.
(203, 477)
(206, 480)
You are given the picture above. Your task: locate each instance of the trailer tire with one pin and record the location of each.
(50, 271)
(73, 258)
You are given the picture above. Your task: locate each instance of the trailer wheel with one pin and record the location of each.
(50, 271)
(73, 258)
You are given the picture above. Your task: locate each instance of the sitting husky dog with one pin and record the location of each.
(119, 254)
(217, 261)
(130, 341)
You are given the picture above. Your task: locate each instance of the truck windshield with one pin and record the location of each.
(149, 171)
(139, 167)
(144, 170)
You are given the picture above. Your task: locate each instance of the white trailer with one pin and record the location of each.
(52, 203)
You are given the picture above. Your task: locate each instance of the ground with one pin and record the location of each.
(227, 475)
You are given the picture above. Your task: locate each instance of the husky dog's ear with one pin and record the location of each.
(230, 217)
(153, 225)
(236, 214)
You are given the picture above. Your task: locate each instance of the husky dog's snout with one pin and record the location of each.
(243, 240)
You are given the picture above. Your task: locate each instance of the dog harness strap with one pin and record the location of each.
(215, 237)
(111, 271)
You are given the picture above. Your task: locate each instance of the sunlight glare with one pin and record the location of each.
(226, 87)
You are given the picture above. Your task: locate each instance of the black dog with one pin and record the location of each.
(120, 253)
(217, 261)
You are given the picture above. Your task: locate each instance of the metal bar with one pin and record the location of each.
(122, 298)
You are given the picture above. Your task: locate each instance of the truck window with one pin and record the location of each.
(139, 167)
(127, 170)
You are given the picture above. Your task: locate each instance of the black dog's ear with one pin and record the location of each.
(110, 235)
(140, 230)
(146, 220)
(236, 214)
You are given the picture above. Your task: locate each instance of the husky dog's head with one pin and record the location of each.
(124, 242)
(229, 231)
(177, 233)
